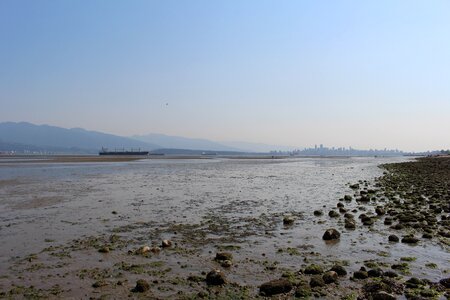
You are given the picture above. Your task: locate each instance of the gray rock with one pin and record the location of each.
(223, 256)
(303, 291)
(410, 240)
(330, 277)
(375, 272)
(380, 211)
(215, 277)
(340, 270)
(288, 220)
(360, 275)
(350, 224)
(313, 269)
(382, 295)
(393, 238)
(100, 283)
(331, 234)
(226, 263)
(274, 287)
(166, 243)
(141, 286)
(445, 282)
(316, 281)
(104, 249)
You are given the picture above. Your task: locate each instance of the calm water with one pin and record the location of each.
(62, 202)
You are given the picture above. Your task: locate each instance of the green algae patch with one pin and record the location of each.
(431, 266)
(408, 258)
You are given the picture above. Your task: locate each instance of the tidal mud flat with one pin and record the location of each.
(227, 229)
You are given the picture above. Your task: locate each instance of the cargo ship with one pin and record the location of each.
(132, 151)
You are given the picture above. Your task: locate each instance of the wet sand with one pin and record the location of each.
(82, 232)
(14, 159)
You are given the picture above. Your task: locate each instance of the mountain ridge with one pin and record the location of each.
(26, 136)
(49, 137)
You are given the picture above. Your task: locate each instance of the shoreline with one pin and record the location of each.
(9, 159)
(410, 198)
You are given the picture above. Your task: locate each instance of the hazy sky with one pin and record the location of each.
(370, 74)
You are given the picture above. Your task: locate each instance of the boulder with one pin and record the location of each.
(330, 277)
(349, 216)
(142, 250)
(413, 283)
(223, 256)
(375, 272)
(350, 224)
(427, 235)
(99, 283)
(382, 295)
(390, 274)
(104, 249)
(316, 281)
(331, 234)
(333, 214)
(409, 239)
(166, 243)
(340, 270)
(288, 220)
(360, 275)
(226, 263)
(388, 221)
(155, 250)
(141, 286)
(380, 211)
(215, 277)
(303, 291)
(313, 269)
(274, 287)
(393, 238)
(445, 282)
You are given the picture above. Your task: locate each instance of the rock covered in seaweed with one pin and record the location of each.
(274, 287)
(331, 234)
(215, 277)
(141, 286)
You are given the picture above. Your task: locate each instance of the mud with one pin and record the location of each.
(88, 241)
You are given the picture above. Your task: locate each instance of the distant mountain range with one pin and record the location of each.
(45, 138)
(25, 137)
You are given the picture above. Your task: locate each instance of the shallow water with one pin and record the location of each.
(62, 202)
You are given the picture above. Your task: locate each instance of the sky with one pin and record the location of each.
(366, 74)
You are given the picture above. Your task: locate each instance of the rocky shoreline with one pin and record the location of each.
(207, 260)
